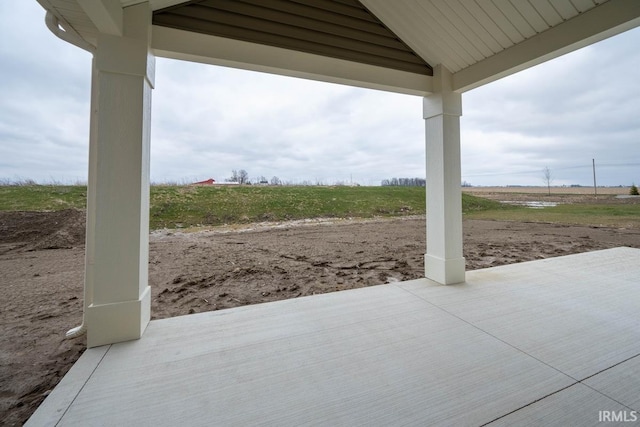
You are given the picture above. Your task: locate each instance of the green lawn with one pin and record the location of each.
(233, 204)
(614, 215)
(188, 206)
(42, 197)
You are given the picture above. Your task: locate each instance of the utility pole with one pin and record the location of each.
(595, 187)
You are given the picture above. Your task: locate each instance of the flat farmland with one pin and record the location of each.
(544, 190)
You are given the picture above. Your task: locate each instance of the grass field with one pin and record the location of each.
(599, 215)
(192, 206)
(575, 205)
(544, 190)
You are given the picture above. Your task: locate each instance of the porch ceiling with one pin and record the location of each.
(371, 43)
(338, 29)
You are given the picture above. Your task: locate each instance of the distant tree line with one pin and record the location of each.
(241, 176)
(403, 182)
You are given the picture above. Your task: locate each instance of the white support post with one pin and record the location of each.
(116, 276)
(444, 262)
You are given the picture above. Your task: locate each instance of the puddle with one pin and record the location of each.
(532, 204)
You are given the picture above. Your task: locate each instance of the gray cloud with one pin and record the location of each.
(45, 106)
(295, 129)
(560, 114)
(209, 120)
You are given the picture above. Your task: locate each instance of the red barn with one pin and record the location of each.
(209, 181)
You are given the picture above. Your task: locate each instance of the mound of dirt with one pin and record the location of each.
(30, 231)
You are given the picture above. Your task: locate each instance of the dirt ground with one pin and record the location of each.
(42, 262)
(544, 190)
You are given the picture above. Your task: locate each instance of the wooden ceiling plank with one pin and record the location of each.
(452, 58)
(500, 20)
(330, 5)
(204, 27)
(413, 30)
(514, 16)
(294, 8)
(485, 24)
(583, 5)
(453, 33)
(547, 12)
(609, 19)
(470, 27)
(565, 8)
(388, 40)
(531, 15)
(192, 46)
(256, 25)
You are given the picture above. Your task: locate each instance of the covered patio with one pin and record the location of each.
(497, 345)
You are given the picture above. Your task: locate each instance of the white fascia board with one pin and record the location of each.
(189, 46)
(599, 23)
(155, 4)
(105, 14)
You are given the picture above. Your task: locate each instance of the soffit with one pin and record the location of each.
(477, 40)
(72, 17)
(460, 33)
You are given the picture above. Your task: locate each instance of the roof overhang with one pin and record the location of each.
(336, 41)
(594, 25)
(478, 42)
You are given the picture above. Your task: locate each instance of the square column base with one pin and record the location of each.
(444, 271)
(117, 322)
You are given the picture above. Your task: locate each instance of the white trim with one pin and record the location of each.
(118, 322)
(155, 4)
(189, 46)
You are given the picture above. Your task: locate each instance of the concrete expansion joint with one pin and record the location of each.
(489, 333)
(84, 384)
(582, 381)
(529, 404)
(575, 380)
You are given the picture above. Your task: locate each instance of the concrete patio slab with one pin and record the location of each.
(577, 405)
(621, 382)
(566, 312)
(410, 353)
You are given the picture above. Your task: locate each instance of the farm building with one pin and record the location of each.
(209, 181)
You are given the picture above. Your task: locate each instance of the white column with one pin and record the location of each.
(443, 261)
(118, 203)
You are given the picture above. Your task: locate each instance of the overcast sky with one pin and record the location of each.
(209, 120)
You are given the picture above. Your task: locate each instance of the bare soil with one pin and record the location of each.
(544, 190)
(42, 263)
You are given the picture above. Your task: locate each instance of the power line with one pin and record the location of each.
(537, 171)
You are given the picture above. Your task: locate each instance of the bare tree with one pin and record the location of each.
(240, 176)
(276, 181)
(234, 176)
(404, 182)
(547, 177)
(243, 176)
